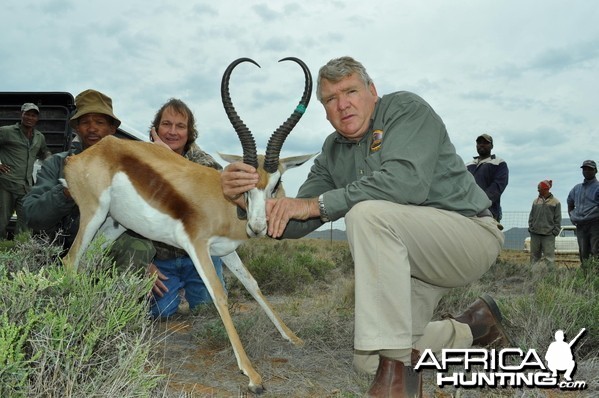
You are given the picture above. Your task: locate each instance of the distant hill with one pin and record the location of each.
(514, 237)
(331, 234)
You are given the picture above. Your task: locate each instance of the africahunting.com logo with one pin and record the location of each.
(508, 367)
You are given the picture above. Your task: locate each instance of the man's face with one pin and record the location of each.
(92, 127)
(173, 130)
(483, 147)
(588, 173)
(349, 105)
(543, 192)
(29, 119)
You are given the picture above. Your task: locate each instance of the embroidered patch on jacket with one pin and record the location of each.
(377, 140)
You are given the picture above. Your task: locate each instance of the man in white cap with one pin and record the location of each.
(583, 208)
(490, 173)
(20, 145)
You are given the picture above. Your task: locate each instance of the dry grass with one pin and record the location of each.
(195, 357)
(322, 315)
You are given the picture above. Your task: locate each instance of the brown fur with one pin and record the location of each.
(187, 195)
(183, 190)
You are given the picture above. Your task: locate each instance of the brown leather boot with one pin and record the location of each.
(395, 380)
(484, 318)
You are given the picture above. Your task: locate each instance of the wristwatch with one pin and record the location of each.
(324, 217)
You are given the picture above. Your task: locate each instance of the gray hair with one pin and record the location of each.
(339, 68)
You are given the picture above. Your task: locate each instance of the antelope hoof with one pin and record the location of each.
(256, 389)
(297, 342)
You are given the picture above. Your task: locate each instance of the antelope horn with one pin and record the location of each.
(245, 135)
(275, 143)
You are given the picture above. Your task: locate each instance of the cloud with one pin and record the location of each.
(265, 13)
(523, 73)
(570, 58)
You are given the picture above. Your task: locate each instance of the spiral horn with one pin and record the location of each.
(275, 143)
(246, 138)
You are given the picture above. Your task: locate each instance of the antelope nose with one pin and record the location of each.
(256, 228)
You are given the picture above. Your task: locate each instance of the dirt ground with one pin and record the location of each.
(196, 368)
(283, 370)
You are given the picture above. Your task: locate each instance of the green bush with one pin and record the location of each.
(567, 300)
(536, 304)
(14, 361)
(284, 267)
(72, 334)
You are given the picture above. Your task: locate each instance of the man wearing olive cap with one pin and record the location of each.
(490, 173)
(583, 208)
(49, 206)
(20, 146)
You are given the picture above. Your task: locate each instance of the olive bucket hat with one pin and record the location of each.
(92, 101)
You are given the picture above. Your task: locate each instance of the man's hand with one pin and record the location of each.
(157, 140)
(280, 211)
(236, 179)
(159, 288)
(4, 169)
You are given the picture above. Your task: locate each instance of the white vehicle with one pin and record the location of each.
(565, 242)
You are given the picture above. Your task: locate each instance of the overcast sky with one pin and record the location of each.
(526, 72)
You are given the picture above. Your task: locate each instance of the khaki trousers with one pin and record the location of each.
(542, 245)
(406, 258)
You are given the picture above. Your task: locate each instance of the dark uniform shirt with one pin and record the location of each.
(20, 153)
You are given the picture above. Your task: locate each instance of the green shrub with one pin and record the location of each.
(283, 267)
(28, 253)
(73, 334)
(567, 300)
(14, 360)
(536, 304)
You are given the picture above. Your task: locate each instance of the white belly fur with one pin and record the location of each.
(134, 213)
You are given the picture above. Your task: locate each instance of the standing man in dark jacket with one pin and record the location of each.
(544, 224)
(20, 145)
(490, 173)
(583, 208)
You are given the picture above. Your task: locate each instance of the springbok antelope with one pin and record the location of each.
(149, 189)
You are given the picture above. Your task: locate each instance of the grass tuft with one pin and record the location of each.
(72, 334)
(89, 334)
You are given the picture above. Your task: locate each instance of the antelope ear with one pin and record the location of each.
(230, 158)
(295, 161)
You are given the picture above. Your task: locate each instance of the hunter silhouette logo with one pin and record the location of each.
(559, 355)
